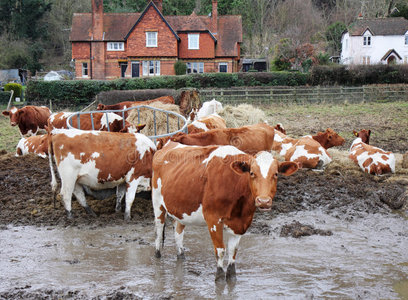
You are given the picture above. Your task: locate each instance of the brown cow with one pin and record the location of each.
(59, 120)
(127, 104)
(250, 139)
(30, 119)
(99, 160)
(217, 186)
(213, 121)
(370, 159)
(36, 144)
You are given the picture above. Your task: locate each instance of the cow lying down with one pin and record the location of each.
(370, 159)
(99, 160)
(217, 186)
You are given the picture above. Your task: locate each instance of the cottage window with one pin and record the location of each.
(223, 67)
(406, 39)
(195, 67)
(151, 68)
(116, 46)
(366, 60)
(85, 69)
(193, 41)
(367, 40)
(151, 39)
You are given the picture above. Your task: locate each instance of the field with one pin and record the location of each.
(342, 191)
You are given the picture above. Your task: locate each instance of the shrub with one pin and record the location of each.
(4, 97)
(17, 88)
(180, 68)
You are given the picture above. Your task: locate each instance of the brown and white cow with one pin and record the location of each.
(250, 139)
(127, 104)
(309, 151)
(99, 160)
(213, 121)
(36, 144)
(217, 186)
(30, 119)
(102, 121)
(370, 159)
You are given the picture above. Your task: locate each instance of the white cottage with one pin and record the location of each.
(375, 41)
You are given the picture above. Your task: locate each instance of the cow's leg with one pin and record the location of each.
(120, 192)
(216, 233)
(160, 214)
(233, 241)
(130, 195)
(178, 236)
(80, 196)
(67, 188)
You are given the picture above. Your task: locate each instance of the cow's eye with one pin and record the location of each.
(252, 174)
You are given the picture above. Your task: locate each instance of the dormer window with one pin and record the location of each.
(193, 41)
(367, 39)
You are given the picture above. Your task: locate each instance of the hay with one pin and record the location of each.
(241, 115)
(146, 117)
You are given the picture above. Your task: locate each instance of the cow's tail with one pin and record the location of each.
(164, 234)
(50, 156)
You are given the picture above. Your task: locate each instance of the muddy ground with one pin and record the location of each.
(26, 199)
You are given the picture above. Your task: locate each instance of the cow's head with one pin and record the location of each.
(130, 128)
(280, 128)
(15, 114)
(100, 106)
(329, 138)
(364, 135)
(263, 172)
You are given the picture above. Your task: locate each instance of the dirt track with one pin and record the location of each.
(26, 196)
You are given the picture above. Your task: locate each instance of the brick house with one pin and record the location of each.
(126, 45)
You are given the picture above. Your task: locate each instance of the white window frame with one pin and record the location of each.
(151, 68)
(406, 39)
(222, 64)
(193, 41)
(151, 38)
(367, 39)
(115, 46)
(366, 60)
(198, 66)
(85, 68)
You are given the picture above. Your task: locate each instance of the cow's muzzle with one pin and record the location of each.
(13, 123)
(263, 203)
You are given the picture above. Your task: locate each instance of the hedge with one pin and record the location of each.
(79, 92)
(4, 97)
(83, 91)
(17, 88)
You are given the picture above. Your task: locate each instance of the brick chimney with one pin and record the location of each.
(97, 19)
(214, 16)
(159, 5)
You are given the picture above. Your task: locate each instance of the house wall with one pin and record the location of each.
(355, 50)
(206, 47)
(166, 41)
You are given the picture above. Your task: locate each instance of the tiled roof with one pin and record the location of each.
(118, 25)
(380, 26)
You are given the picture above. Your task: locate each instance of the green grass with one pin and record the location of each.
(9, 136)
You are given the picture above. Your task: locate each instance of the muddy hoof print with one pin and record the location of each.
(157, 254)
(220, 275)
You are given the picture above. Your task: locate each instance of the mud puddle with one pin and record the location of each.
(363, 258)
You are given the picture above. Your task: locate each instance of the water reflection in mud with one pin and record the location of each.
(366, 258)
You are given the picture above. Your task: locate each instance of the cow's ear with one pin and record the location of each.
(288, 168)
(240, 167)
(6, 112)
(140, 127)
(355, 133)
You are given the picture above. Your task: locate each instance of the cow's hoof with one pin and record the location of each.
(70, 215)
(220, 275)
(231, 273)
(157, 254)
(89, 211)
(118, 209)
(181, 256)
(127, 217)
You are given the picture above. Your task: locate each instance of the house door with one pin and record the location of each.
(135, 69)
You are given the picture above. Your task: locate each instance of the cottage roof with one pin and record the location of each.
(380, 26)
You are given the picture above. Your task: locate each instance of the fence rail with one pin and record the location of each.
(303, 95)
